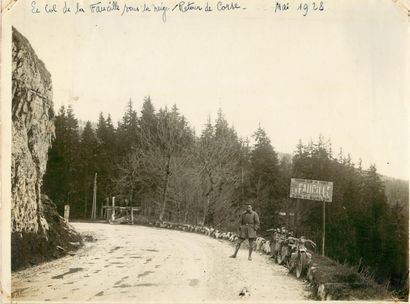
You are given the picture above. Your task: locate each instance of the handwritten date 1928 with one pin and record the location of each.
(303, 7)
(314, 6)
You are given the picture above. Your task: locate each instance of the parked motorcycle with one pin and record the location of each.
(274, 241)
(287, 246)
(300, 258)
(279, 239)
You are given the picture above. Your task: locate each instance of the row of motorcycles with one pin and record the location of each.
(290, 251)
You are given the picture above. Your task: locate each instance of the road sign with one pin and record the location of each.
(316, 191)
(309, 189)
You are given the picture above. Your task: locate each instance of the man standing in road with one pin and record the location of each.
(248, 225)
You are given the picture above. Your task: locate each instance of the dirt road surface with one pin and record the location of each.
(136, 263)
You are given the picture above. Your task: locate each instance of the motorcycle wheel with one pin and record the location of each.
(272, 250)
(290, 265)
(283, 255)
(279, 258)
(300, 265)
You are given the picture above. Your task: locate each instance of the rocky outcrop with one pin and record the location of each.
(32, 132)
(33, 128)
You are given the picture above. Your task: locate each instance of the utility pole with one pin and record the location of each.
(113, 209)
(94, 208)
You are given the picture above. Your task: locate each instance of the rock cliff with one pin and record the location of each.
(34, 219)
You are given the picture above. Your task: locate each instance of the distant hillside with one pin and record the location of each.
(397, 192)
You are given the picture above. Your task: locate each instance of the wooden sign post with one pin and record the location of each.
(324, 228)
(314, 190)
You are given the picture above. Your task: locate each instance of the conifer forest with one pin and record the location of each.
(154, 159)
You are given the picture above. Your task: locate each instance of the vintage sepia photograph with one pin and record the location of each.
(204, 151)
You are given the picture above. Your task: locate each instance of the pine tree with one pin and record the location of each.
(148, 120)
(101, 127)
(60, 181)
(264, 176)
(107, 158)
(219, 156)
(88, 151)
(55, 181)
(373, 204)
(127, 131)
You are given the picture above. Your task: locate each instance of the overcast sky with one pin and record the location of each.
(339, 73)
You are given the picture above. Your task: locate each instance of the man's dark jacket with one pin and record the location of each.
(248, 224)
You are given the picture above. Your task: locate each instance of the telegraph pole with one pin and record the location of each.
(94, 208)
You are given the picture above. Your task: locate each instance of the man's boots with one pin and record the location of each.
(236, 250)
(250, 253)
